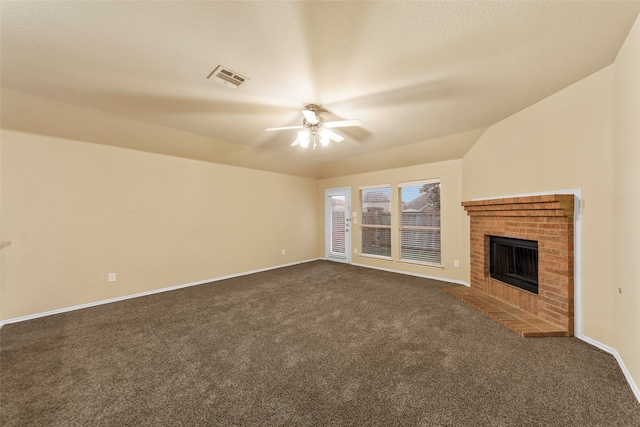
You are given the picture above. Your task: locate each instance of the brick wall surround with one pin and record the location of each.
(546, 219)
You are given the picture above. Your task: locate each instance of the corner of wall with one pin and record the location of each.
(626, 160)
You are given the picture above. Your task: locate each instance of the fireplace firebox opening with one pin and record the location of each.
(514, 261)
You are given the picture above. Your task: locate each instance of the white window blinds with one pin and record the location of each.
(375, 226)
(420, 221)
(338, 234)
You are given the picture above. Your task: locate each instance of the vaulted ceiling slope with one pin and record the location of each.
(412, 72)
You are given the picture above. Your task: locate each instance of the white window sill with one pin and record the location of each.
(384, 258)
(422, 263)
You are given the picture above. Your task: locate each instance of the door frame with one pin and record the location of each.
(346, 191)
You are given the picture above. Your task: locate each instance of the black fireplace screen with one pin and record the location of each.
(514, 261)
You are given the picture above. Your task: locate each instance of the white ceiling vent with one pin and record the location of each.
(226, 77)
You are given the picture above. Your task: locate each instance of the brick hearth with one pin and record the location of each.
(547, 220)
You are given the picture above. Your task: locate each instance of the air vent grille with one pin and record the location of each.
(226, 77)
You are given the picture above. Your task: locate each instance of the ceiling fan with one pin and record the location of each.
(315, 129)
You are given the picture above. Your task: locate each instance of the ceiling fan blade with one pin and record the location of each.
(284, 128)
(342, 123)
(310, 116)
(332, 135)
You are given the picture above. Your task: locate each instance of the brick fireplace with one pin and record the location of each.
(549, 221)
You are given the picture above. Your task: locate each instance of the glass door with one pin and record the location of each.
(338, 225)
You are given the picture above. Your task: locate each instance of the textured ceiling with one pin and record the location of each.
(412, 72)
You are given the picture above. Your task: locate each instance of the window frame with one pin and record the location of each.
(364, 226)
(402, 227)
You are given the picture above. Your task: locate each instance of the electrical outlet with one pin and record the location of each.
(456, 263)
(283, 252)
(112, 277)
(355, 250)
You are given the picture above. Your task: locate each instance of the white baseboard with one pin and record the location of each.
(614, 353)
(442, 279)
(142, 294)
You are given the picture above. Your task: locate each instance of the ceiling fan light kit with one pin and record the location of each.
(315, 130)
(305, 138)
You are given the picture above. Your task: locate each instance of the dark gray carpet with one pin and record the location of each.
(320, 344)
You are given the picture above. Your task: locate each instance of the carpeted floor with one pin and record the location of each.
(316, 344)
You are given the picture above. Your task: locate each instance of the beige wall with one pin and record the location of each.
(453, 248)
(76, 211)
(2, 242)
(626, 180)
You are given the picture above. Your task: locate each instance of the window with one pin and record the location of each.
(375, 227)
(420, 221)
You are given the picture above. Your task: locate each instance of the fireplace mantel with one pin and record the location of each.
(546, 219)
(533, 206)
